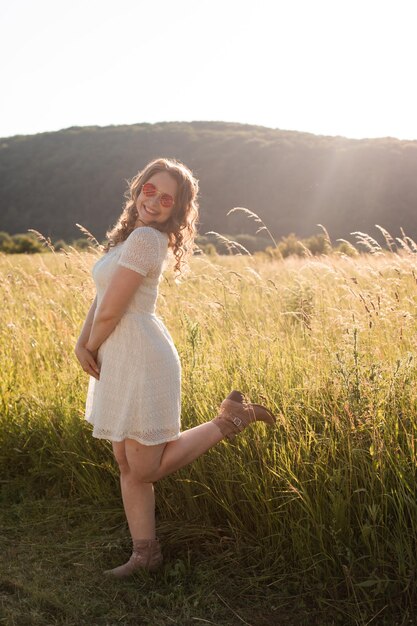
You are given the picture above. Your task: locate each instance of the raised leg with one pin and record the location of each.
(191, 444)
(173, 455)
(151, 463)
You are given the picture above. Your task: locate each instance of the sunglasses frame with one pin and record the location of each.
(160, 194)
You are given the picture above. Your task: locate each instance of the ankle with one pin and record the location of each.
(144, 541)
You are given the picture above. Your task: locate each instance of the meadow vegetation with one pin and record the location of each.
(211, 244)
(314, 523)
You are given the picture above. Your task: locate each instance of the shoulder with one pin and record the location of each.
(145, 240)
(147, 233)
(150, 237)
(142, 233)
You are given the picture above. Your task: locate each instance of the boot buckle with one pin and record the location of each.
(237, 422)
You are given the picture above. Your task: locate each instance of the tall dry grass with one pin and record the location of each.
(324, 507)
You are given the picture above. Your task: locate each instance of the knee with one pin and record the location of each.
(120, 457)
(130, 469)
(137, 473)
(143, 474)
(124, 468)
(143, 461)
(131, 474)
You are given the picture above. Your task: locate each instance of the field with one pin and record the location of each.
(315, 523)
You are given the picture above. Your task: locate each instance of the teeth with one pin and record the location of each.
(149, 210)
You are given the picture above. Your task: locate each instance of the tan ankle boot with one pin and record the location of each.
(235, 414)
(146, 555)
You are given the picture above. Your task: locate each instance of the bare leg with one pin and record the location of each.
(151, 463)
(191, 444)
(235, 414)
(139, 466)
(138, 496)
(139, 504)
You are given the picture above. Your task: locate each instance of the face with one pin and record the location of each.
(151, 208)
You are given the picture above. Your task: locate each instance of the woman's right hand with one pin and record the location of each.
(87, 361)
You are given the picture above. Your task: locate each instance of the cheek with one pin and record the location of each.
(169, 212)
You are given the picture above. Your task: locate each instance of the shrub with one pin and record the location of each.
(81, 243)
(60, 244)
(5, 241)
(24, 244)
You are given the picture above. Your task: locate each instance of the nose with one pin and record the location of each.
(154, 200)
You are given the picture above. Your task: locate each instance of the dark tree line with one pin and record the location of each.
(293, 181)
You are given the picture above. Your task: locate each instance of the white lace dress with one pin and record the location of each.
(138, 395)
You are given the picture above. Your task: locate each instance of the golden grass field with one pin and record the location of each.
(323, 510)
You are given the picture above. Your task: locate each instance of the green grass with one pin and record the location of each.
(55, 553)
(314, 523)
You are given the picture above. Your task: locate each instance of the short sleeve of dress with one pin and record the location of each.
(140, 251)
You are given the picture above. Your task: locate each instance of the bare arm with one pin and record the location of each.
(86, 359)
(85, 332)
(123, 284)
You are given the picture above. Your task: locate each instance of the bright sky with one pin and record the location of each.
(330, 67)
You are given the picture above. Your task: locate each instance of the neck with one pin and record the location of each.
(140, 222)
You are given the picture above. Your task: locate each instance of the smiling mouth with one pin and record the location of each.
(149, 211)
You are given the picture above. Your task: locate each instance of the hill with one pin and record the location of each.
(292, 180)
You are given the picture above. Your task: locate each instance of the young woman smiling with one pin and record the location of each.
(134, 391)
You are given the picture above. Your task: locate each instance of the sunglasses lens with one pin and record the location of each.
(149, 190)
(167, 201)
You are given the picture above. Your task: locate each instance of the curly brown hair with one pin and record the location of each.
(181, 226)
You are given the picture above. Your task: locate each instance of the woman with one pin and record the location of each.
(133, 395)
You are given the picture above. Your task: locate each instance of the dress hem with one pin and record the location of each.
(143, 442)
